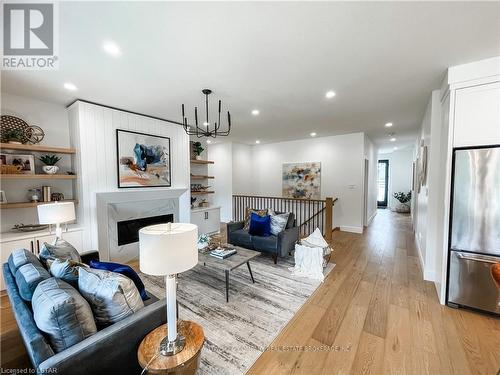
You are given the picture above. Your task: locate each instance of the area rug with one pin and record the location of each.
(238, 332)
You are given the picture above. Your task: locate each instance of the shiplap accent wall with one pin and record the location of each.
(93, 134)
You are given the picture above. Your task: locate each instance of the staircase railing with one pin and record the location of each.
(309, 213)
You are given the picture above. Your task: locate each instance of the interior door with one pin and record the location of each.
(382, 182)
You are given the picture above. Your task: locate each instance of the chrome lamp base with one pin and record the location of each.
(170, 348)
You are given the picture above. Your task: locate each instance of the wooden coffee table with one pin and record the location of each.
(241, 257)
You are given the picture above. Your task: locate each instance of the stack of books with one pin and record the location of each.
(222, 253)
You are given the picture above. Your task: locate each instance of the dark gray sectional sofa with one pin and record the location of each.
(112, 350)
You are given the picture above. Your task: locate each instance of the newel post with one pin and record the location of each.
(329, 218)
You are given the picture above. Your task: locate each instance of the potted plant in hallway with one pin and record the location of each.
(50, 162)
(404, 201)
(197, 149)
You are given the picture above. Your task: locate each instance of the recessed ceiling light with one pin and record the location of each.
(330, 94)
(209, 141)
(69, 86)
(388, 125)
(257, 141)
(313, 134)
(393, 139)
(111, 48)
(206, 123)
(255, 112)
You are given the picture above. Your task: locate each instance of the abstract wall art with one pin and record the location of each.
(302, 180)
(143, 160)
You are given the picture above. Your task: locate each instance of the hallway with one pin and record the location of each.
(378, 316)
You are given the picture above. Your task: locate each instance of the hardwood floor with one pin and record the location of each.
(374, 312)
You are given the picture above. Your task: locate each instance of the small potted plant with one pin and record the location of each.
(197, 149)
(50, 162)
(403, 199)
(15, 136)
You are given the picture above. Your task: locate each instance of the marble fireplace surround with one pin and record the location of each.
(128, 205)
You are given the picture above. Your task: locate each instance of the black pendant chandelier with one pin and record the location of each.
(206, 129)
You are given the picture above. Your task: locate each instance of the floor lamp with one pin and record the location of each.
(166, 250)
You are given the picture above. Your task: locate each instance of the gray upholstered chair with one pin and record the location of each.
(276, 246)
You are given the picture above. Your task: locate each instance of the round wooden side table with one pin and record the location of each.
(185, 362)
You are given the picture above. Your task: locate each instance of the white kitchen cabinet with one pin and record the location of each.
(207, 219)
(7, 247)
(477, 115)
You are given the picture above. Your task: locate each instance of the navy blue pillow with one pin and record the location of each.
(260, 225)
(125, 271)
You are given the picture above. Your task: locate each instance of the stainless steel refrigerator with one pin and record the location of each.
(475, 228)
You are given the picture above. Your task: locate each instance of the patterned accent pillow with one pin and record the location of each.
(112, 297)
(60, 250)
(62, 313)
(278, 222)
(248, 215)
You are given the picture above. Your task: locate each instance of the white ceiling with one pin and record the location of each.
(382, 59)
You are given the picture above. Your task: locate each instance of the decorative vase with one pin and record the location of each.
(50, 169)
(197, 157)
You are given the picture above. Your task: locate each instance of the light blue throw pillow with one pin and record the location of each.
(20, 257)
(28, 277)
(62, 313)
(111, 295)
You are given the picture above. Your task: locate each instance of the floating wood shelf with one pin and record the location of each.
(30, 204)
(194, 161)
(37, 176)
(37, 148)
(202, 192)
(198, 177)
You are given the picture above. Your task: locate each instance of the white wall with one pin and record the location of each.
(222, 169)
(430, 201)
(93, 133)
(371, 195)
(53, 119)
(243, 169)
(342, 164)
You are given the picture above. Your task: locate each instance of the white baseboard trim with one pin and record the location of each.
(419, 251)
(348, 228)
(428, 275)
(372, 216)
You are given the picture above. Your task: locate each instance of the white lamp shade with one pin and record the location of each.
(56, 213)
(167, 249)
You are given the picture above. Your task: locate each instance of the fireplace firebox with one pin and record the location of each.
(128, 230)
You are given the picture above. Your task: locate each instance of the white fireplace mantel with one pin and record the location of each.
(108, 199)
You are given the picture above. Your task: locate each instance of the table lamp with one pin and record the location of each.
(166, 250)
(56, 213)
